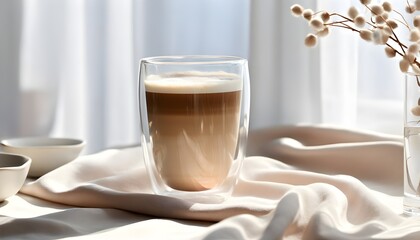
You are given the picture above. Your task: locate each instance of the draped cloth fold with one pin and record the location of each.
(302, 182)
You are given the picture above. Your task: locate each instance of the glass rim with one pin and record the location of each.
(193, 60)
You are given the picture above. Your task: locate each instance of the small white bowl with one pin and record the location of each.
(13, 171)
(46, 153)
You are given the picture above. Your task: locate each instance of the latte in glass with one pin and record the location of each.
(193, 125)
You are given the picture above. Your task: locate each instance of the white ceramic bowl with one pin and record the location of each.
(46, 153)
(13, 171)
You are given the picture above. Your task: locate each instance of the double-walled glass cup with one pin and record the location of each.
(194, 113)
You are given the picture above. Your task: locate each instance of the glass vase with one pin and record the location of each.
(412, 145)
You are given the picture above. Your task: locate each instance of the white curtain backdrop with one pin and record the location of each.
(68, 68)
(285, 81)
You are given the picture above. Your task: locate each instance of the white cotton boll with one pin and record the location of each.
(416, 21)
(377, 9)
(404, 65)
(414, 48)
(414, 35)
(316, 24)
(392, 23)
(307, 14)
(352, 12)
(390, 52)
(366, 35)
(325, 17)
(410, 9)
(387, 6)
(410, 57)
(359, 21)
(311, 40)
(377, 36)
(324, 32)
(417, 4)
(297, 10)
(384, 38)
(416, 110)
(387, 31)
(379, 19)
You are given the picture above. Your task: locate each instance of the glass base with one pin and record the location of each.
(411, 205)
(206, 197)
(218, 194)
(215, 195)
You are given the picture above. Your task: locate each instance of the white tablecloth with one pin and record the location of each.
(299, 182)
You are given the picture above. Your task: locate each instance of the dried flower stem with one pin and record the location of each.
(342, 24)
(380, 29)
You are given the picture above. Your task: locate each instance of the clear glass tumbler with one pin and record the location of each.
(194, 113)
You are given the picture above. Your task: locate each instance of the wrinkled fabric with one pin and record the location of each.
(303, 183)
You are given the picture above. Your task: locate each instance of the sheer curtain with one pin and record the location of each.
(69, 68)
(80, 53)
(285, 81)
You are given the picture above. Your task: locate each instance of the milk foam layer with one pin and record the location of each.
(193, 82)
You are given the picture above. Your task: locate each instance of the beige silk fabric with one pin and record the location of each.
(298, 182)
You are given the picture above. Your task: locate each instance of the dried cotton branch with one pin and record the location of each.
(376, 24)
